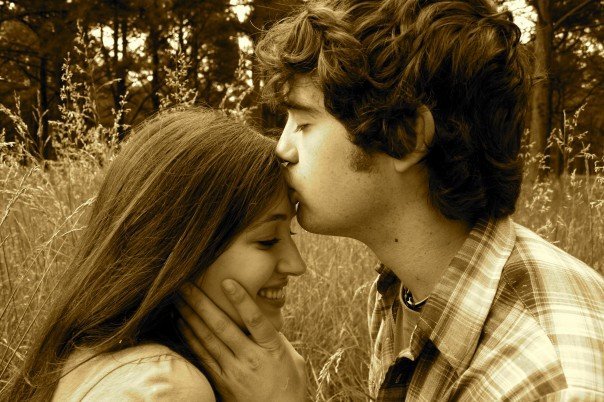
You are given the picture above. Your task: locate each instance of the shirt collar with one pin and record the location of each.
(454, 315)
(387, 281)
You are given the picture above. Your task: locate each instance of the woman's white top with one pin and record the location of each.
(150, 372)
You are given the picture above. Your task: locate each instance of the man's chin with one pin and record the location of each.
(301, 217)
(307, 221)
(321, 225)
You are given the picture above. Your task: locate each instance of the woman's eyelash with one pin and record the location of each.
(269, 243)
(274, 240)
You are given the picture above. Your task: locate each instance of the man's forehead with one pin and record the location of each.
(302, 94)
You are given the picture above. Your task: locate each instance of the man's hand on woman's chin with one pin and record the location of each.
(261, 367)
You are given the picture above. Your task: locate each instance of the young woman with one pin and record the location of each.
(192, 197)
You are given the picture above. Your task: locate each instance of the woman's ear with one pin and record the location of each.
(424, 131)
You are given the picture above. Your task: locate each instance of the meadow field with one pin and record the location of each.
(43, 209)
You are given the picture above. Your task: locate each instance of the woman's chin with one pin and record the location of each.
(275, 318)
(276, 321)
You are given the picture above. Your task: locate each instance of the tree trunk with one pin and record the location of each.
(155, 41)
(195, 44)
(263, 12)
(541, 104)
(119, 24)
(116, 45)
(122, 76)
(43, 143)
(155, 85)
(263, 115)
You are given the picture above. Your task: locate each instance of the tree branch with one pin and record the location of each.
(535, 5)
(586, 97)
(19, 62)
(37, 13)
(583, 27)
(26, 52)
(570, 13)
(134, 115)
(562, 40)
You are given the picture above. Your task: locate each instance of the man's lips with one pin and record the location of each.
(293, 196)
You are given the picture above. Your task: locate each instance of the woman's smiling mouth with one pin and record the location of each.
(275, 296)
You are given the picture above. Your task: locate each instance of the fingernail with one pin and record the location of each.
(228, 286)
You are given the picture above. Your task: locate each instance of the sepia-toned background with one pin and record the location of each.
(76, 75)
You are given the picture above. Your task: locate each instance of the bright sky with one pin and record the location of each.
(524, 17)
(241, 9)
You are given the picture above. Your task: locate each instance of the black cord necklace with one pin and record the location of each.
(410, 303)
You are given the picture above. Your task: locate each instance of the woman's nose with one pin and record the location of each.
(291, 263)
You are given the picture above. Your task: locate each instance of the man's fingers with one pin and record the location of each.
(215, 320)
(268, 371)
(298, 359)
(218, 350)
(197, 348)
(260, 328)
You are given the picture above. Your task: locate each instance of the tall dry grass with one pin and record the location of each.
(43, 208)
(327, 315)
(566, 209)
(41, 216)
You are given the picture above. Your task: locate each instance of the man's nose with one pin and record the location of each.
(286, 150)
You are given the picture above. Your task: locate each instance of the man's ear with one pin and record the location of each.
(424, 131)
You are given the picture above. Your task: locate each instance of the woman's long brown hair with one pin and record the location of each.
(185, 184)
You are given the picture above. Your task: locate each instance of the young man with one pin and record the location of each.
(403, 131)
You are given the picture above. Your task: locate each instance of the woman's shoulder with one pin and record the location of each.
(144, 372)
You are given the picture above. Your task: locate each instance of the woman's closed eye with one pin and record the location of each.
(269, 243)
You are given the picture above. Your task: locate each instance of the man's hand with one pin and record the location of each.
(263, 367)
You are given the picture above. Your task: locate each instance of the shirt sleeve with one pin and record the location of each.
(163, 378)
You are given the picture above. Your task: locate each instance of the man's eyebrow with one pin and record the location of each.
(292, 104)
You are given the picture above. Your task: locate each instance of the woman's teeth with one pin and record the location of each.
(273, 294)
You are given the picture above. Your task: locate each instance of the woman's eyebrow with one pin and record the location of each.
(269, 219)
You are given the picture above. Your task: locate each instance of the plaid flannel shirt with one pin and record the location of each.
(512, 318)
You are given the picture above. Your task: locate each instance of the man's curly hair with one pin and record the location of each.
(377, 62)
